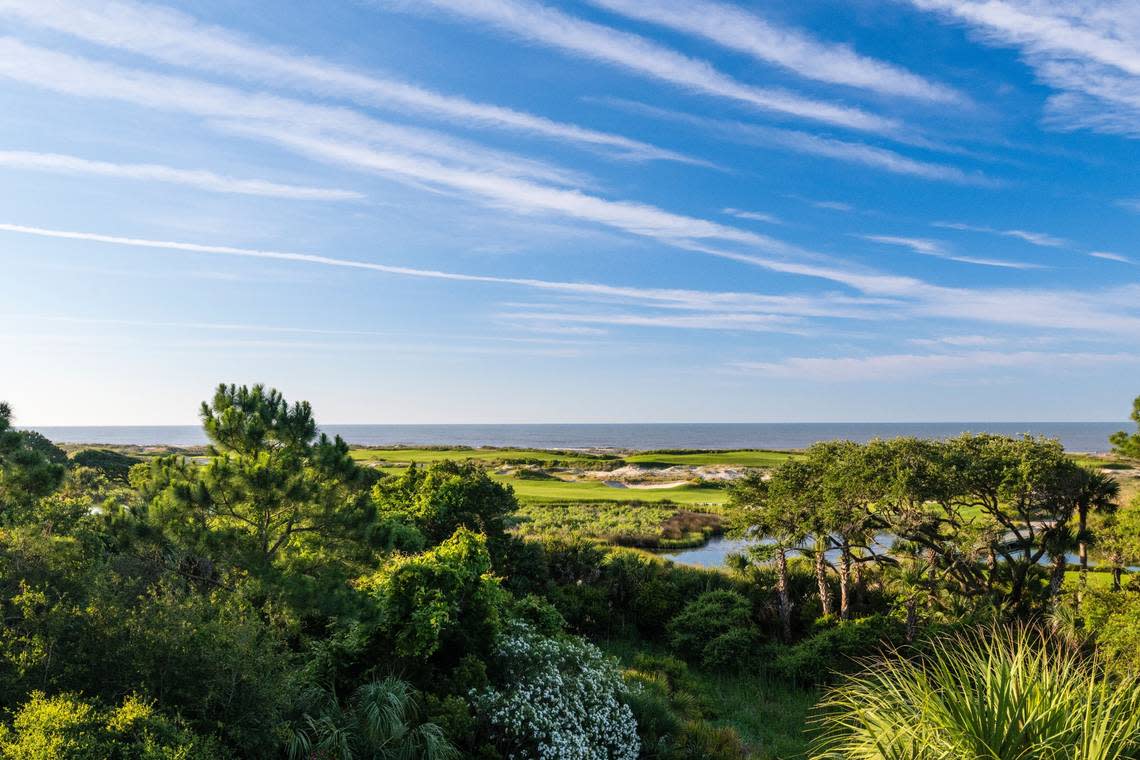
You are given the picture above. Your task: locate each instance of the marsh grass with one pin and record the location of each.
(640, 525)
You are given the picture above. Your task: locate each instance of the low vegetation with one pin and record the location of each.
(278, 594)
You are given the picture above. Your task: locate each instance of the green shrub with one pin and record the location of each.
(708, 619)
(67, 727)
(657, 723)
(445, 497)
(732, 649)
(670, 716)
(442, 601)
(538, 614)
(703, 741)
(73, 624)
(114, 465)
(834, 647)
(1114, 619)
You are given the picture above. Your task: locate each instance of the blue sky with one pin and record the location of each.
(597, 210)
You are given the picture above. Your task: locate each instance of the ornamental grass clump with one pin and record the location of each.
(556, 699)
(999, 695)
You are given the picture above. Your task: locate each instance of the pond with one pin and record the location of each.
(715, 552)
(712, 554)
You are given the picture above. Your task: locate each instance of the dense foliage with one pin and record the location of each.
(273, 597)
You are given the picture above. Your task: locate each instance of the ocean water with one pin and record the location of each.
(1076, 436)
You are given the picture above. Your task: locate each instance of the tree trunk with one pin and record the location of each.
(821, 578)
(911, 618)
(1017, 586)
(1083, 555)
(1117, 565)
(782, 592)
(844, 583)
(859, 580)
(1056, 580)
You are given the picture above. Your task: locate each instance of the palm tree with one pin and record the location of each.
(1000, 695)
(910, 581)
(377, 723)
(1098, 494)
(1059, 542)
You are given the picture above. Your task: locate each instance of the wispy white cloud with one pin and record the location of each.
(1088, 51)
(833, 206)
(906, 366)
(754, 216)
(798, 141)
(418, 157)
(413, 156)
(1035, 238)
(960, 341)
(737, 29)
(522, 196)
(83, 77)
(871, 156)
(703, 321)
(199, 178)
(72, 342)
(1109, 256)
(924, 246)
(237, 327)
(831, 305)
(1131, 204)
(539, 23)
(176, 38)
(937, 249)
(1111, 312)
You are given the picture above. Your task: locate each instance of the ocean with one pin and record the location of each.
(1076, 436)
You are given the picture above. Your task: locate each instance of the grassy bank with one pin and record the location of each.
(771, 716)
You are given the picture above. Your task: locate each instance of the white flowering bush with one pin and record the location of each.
(557, 699)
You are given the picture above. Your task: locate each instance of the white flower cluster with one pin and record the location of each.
(561, 701)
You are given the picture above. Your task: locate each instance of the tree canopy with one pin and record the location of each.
(1129, 445)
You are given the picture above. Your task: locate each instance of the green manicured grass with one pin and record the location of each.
(563, 492)
(1101, 462)
(1100, 581)
(771, 716)
(555, 491)
(742, 458)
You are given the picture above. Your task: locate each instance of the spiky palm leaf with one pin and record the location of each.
(379, 722)
(1001, 695)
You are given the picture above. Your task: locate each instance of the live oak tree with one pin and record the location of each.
(1128, 445)
(775, 508)
(1025, 491)
(270, 478)
(972, 518)
(844, 509)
